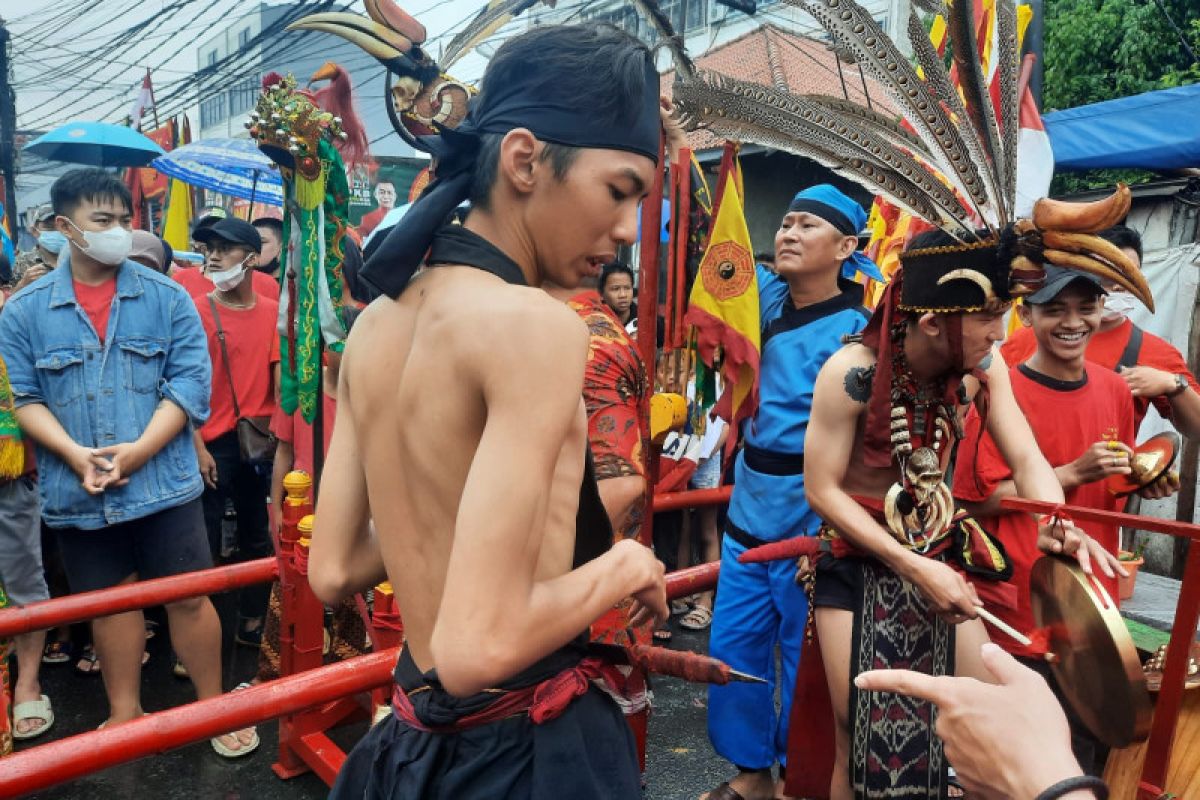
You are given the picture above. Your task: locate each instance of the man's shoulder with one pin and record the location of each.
(33, 295)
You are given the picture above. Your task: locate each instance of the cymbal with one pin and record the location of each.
(1097, 667)
(1151, 459)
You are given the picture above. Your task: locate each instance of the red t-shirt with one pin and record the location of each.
(197, 283)
(292, 428)
(1106, 349)
(253, 347)
(97, 302)
(370, 221)
(1066, 420)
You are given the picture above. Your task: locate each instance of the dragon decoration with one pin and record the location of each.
(305, 140)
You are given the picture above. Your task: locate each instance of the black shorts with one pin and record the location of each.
(166, 543)
(839, 583)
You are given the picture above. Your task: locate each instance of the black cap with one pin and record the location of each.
(232, 230)
(1059, 278)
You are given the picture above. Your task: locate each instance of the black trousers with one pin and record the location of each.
(249, 489)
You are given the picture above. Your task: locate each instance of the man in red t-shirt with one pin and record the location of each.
(1154, 370)
(244, 348)
(1082, 419)
(198, 283)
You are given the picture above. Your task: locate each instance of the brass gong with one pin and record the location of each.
(1097, 667)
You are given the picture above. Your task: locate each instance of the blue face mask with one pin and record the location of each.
(52, 241)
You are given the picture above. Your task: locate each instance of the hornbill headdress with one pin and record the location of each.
(419, 94)
(950, 159)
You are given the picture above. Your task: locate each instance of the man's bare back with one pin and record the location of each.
(415, 371)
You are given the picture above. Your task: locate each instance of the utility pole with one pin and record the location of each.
(1035, 38)
(8, 129)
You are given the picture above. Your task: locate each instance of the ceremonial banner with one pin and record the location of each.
(723, 306)
(179, 206)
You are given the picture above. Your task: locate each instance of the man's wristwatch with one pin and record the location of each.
(1181, 386)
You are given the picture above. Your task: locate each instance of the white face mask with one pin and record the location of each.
(110, 246)
(227, 280)
(1119, 305)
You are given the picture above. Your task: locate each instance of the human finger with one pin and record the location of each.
(906, 682)
(1003, 667)
(639, 615)
(1085, 559)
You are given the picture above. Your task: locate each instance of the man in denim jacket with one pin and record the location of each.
(110, 373)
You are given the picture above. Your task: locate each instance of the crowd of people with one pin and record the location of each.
(146, 395)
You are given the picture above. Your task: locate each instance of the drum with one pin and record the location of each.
(1124, 769)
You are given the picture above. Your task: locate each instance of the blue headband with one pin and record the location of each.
(497, 111)
(839, 210)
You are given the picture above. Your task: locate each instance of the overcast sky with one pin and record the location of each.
(60, 49)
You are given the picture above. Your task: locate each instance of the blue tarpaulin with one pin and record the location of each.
(1156, 130)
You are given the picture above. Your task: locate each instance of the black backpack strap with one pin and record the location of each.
(1133, 349)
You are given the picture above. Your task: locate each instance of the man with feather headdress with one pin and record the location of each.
(893, 586)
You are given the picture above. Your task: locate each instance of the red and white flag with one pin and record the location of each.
(1035, 158)
(143, 100)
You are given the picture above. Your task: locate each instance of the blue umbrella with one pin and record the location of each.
(99, 144)
(230, 166)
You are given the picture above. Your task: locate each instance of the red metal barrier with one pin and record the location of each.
(1171, 527)
(67, 759)
(45, 614)
(699, 578)
(693, 498)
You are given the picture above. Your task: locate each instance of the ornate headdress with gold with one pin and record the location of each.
(950, 158)
(302, 139)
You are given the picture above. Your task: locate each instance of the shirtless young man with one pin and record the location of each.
(462, 436)
(885, 414)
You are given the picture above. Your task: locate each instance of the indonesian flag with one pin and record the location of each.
(1035, 158)
(143, 100)
(723, 307)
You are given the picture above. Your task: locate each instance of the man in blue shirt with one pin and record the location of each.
(806, 305)
(109, 372)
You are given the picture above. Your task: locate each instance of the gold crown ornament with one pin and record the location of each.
(289, 127)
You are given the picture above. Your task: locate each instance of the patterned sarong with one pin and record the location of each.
(893, 751)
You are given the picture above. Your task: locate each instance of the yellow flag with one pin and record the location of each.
(723, 307)
(179, 215)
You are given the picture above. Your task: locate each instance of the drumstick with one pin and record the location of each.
(1005, 628)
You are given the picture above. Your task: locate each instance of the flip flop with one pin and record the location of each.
(724, 792)
(246, 749)
(697, 619)
(90, 662)
(33, 709)
(56, 653)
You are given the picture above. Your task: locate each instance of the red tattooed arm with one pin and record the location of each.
(828, 448)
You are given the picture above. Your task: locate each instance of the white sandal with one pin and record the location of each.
(33, 709)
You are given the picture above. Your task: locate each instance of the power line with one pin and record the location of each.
(205, 72)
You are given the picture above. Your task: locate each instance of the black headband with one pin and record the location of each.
(826, 212)
(498, 111)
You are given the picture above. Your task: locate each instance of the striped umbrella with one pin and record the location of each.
(231, 166)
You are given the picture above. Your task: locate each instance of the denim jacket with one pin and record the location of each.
(104, 393)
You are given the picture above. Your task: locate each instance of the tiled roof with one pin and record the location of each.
(775, 57)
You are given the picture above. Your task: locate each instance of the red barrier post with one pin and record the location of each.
(76, 756)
